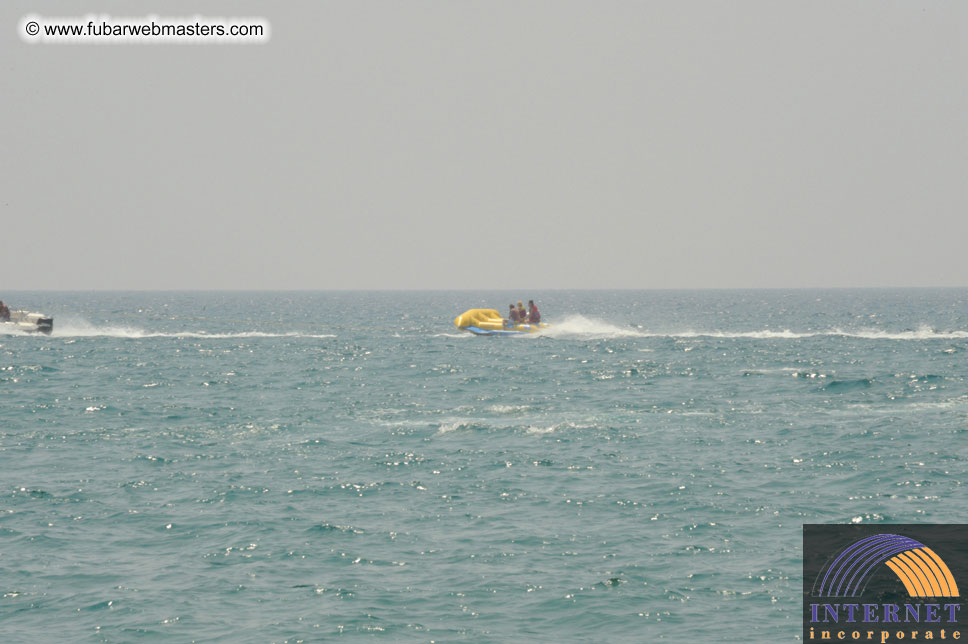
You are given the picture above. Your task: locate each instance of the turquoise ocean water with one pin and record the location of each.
(284, 467)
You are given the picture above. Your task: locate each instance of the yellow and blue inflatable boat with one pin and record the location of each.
(490, 322)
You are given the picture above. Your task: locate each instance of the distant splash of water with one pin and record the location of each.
(79, 328)
(922, 333)
(594, 328)
(484, 424)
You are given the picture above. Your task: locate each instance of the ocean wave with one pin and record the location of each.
(840, 386)
(534, 430)
(531, 428)
(508, 409)
(452, 426)
(540, 429)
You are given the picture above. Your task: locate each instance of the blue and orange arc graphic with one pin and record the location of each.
(922, 572)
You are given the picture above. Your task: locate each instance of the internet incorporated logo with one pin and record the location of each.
(904, 588)
(922, 572)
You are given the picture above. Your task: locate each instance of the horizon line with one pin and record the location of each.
(479, 290)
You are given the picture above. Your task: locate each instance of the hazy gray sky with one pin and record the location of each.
(473, 144)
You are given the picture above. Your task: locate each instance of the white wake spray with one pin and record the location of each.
(591, 328)
(579, 326)
(922, 333)
(79, 328)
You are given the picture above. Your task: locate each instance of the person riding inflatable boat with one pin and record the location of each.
(490, 322)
